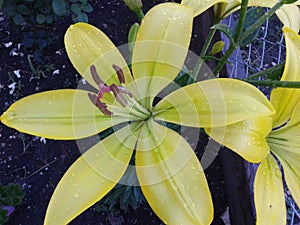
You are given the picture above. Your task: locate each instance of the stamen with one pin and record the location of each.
(100, 105)
(95, 75)
(125, 91)
(119, 95)
(120, 74)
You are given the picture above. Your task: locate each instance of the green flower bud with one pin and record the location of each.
(134, 5)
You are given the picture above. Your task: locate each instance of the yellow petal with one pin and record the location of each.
(289, 157)
(285, 99)
(285, 145)
(152, 66)
(290, 16)
(199, 6)
(213, 103)
(269, 194)
(171, 177)
(290, 132)
(91, 177)
(87, 45)
(246, 138)
(60, 114)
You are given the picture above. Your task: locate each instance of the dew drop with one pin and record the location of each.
(97, 155)
(73, 174)
(76, 195)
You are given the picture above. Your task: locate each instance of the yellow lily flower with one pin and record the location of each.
(282, 138)
(167, 168)
(288, 14)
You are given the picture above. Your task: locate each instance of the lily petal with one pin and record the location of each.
(289, 157)
(246, 138)
(285, 99)
(87, 45)
(269, 194)
(290, 131)
(51, 114)
(171, 177)
(199, 6)
(152, 66)
(285, 145)
(91, 177)
(213, 103)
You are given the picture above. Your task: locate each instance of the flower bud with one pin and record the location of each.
(134, 5)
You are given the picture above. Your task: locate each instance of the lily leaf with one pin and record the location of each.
(171, 177)
(213, 103)
(269, 194)
(51, 114)
(91, 177)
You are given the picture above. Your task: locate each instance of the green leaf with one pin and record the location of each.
(18, 19)
(49, 19)
(9, 10)
(1, 4)
(59, 7)
(226, 30)
(83, 1)
(87, 8)
(131, 37)
(288, 1)
(11, 195)
(75, 8)
(40, 18)
(23, 9)
(82, 17)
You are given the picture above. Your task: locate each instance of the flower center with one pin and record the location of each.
(122, 95)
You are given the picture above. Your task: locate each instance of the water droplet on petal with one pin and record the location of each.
(76, 195)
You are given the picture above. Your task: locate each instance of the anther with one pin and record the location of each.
(120, 74)
(118, 95)
(100, 105)
(95, 75)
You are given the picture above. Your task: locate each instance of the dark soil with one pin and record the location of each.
(38, 166)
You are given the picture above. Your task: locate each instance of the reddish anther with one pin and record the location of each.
(120, 74)
(95, 75)
(118, 95)
(100, 105)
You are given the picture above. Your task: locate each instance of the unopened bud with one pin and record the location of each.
(134, 5)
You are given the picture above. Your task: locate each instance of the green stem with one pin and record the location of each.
(261, 20)
(233, 46)
(271, 71)
(140, 14)
(204, 50)
(274, 83)
(242, 18)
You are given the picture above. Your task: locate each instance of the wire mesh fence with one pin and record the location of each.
(267, 50)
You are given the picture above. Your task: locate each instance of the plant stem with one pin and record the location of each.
(271, 71)
(242, 18)
(275, 83)
(140, 14)
(261, 20)
(202, 54)
(233, 46)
